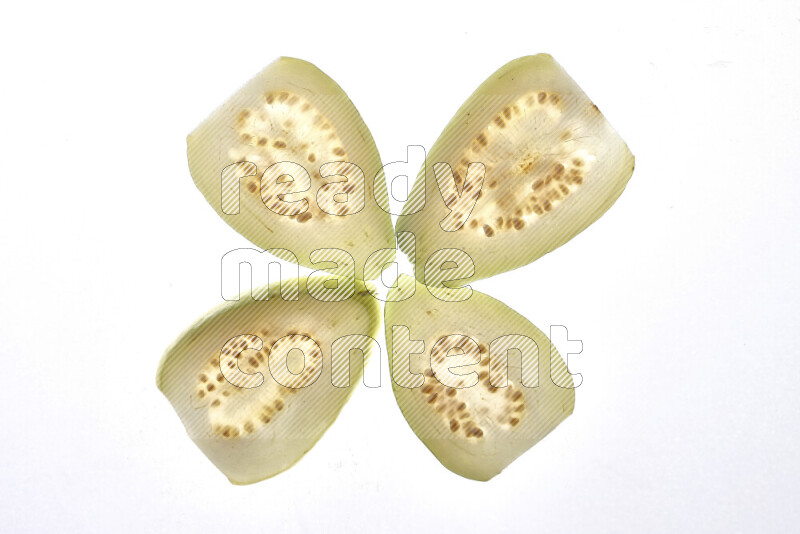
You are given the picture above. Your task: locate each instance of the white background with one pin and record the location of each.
(685, 293)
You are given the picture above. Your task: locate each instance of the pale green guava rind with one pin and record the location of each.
(305, 415)
(483, 319)
(227, 137)
(534, 137)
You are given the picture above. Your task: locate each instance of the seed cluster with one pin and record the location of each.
(537, 179)
(289, 128)
(241, 409)
(462, 408)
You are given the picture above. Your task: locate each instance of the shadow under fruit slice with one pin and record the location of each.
(249, 399)
(288, 162)
(552, 164)
(476, 381)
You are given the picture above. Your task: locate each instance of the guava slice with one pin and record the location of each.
(288, 162)
(526, 164)
(249, 399)
(476, 381)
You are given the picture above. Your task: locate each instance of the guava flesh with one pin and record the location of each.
(526, 164)
(288, 162)
(477, 382)
(255, 383)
